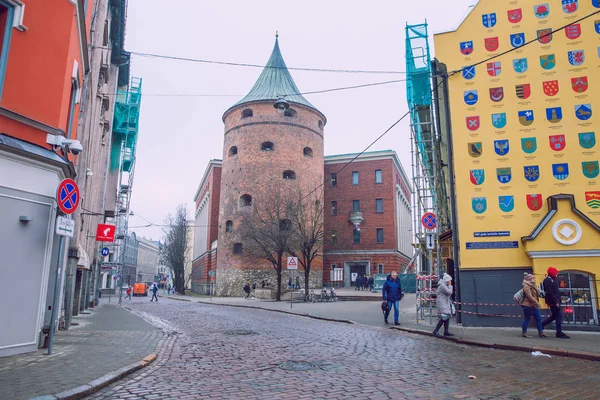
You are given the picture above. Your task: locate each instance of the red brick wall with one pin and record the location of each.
(366, 191)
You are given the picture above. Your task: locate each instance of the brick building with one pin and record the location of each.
(268, 150)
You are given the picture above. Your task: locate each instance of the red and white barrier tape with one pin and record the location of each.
(490, 315)
(487, 304)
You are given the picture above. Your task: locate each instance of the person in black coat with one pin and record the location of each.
(247, 290)
(552, 298)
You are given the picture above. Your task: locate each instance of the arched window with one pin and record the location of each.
(285, 225)
(290, 113)
(289, 174)
(307, 152)
(229, 226)
(233, 151)
(245, 200)
(238, 248)
(267, 146)
(320, 124)
(247, 113)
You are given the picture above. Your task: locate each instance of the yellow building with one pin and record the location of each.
(524, 98)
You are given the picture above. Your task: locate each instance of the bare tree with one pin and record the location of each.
(267, 231)
(176, 243)
(308, 230)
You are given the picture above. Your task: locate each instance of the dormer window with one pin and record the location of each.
(267, 146)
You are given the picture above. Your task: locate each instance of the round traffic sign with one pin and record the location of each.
(429, 220)
(211, 273)
(67, 196)
(105, 251)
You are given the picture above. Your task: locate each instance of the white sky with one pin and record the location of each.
(178, 135)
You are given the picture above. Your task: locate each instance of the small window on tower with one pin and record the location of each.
(229, 226)
(245, 200)
(290, 113)
(308, 152)
(247, 113)
(320, 124)
(233, 151)
(238, 248)
(267, 146)
(289, 174)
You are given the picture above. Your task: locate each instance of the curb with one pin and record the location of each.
(581, 355)
(319, 317)
(82, 391)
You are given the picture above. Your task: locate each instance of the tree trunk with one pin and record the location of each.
(278, 296)
(306, 278)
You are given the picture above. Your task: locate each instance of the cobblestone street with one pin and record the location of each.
(223, 352)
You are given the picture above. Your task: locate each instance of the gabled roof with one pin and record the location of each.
(552, 208)
(274, 82)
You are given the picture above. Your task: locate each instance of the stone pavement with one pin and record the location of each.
(106, 339)
(231, 353)
(369, 313)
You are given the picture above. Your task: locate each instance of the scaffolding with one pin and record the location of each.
(426, 165)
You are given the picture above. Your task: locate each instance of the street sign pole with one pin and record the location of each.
(55, 299)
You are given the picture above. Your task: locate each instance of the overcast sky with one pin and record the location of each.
(179, 134)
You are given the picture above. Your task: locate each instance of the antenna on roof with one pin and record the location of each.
(276, 34)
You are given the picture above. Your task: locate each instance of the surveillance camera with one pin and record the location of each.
(69, 145)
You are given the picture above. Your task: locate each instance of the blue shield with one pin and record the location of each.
(506, 203)
(504, 175)
(466, 48)
(499, 120)
(560, 171)
(520, 65)
(554, 114)
(532, 172)
(590, 169)
(479, 204)
(471, 97)
(596, 3)
(477, 176)
(468, 72)
(517, 39)
(583, 111)
(529, 145)
(526, 117)
(501, 147)
(587, 140)
(597, 26)
(488, 20)
(576, 57)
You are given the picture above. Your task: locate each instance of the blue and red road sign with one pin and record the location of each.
(68, 196)
(429, 220)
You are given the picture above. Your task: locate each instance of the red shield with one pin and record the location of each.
(580, 84)
(544, 36)
(523, 91)
(534, 201)
(491, 44)
(496, 94)
(473, 123)
(514, 16)
(557, 142)
(550, 88)
(573, 31)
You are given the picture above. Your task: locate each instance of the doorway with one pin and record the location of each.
(577, 298)
(354, 270)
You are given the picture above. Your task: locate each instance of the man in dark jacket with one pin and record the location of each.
(392, 293)
(552, 298)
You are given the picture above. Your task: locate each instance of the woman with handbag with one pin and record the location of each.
(444, 305)
(531, 306)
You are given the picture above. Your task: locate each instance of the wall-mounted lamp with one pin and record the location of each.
(25, 219)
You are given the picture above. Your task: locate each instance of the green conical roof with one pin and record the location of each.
(274, 82)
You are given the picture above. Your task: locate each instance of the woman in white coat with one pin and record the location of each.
(444, 304)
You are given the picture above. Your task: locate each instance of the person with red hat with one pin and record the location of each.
(552, 298)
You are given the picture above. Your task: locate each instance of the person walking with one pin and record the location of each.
(552, 299)
(297, 282)
(531, 306)
(392, 293)
(169, 289)
(247, 290)
(128, 291)
(371, 283)
(154, 290)
(444, 305)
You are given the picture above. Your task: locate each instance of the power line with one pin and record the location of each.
(203, 61)
(289, 94)
(525, 44)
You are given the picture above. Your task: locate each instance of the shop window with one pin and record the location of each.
(378, 177)
(247, 113)
(229, 226)
(576, 297)
(233, 151)
(308, 152)
(379, 235)
(267, 146)
(334, 209)
(290, 113)
(355, 177)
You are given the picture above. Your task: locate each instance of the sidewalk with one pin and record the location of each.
(584, 345)
(107, 339)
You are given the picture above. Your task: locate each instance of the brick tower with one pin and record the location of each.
(264, 148)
